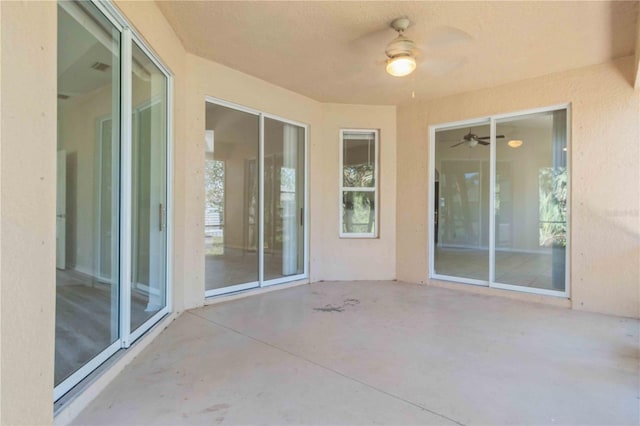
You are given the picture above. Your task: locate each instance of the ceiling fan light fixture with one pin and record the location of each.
(515, 143)
(401, 65)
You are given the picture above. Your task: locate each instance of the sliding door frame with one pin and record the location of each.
(261, 281)
(126, 337)
(492, 122)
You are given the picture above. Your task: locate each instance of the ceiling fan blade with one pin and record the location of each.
(446, 36)
(489, 137)
(500, 137)
(373, 42)
(459, 143)
(483, 143)
(439, 67)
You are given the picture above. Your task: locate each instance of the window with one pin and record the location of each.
(359, 183)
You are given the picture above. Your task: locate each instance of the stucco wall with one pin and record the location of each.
(27, 217)
(354, 258)
(605, 179)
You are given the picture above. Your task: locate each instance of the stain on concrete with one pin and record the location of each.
(334, 308)
(217, 407)
(329, 308)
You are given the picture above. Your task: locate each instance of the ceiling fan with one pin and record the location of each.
(401, 51)
(473, 140)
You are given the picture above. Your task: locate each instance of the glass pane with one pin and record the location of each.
(358, 159)
(531, 201)
(87, 187)
(149, 189)
(283, 199)
(232, 143)
(358, 212)
(461, 215)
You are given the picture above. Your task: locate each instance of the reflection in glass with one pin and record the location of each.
(461, 215)
(148, 280)
(531, 201)
(232, 140)
(283, 199)
(358, 212)
(358, 159)
(87, 187)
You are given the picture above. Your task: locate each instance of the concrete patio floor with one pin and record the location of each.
(380, 353)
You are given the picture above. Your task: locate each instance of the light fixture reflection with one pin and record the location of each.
(515, 143)
(400, 66)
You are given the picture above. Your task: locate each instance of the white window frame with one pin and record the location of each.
(376, 224)
(128, 36)
(491, 121)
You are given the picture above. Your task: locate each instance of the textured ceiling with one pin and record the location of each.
(334, 51)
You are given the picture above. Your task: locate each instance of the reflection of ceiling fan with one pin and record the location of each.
(472, 140)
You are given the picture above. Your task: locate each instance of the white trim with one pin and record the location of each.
(67, 384)
(431, 152)
(526, 289)
(145, 326)
(462, 280)
(375, 188)
(231, 105)
(260, 176)
(281, 280)
(169, 194)
(284, 120)
(455, 125)
(126, 179)
(567, 260)
(108, 8)
(307, 222)
(231, 289)
(492, 164)
(492, 200)
(486, 248)
(530, 111)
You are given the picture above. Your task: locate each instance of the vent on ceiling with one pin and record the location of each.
(61, 96)
(100, 66)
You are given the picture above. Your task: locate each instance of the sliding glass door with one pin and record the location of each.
(284, 181)
(461, 227)
(255, 186)
(232, 147)
(499, 207)
(87, 279)
(149, 189)
(112, 174)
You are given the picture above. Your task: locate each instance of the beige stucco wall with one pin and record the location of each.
(605, 179)
(354, 258)
(27, 217)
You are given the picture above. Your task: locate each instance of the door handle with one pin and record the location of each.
(160, 217)
(301, 216)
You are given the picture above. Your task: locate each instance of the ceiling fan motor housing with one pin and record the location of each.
(400, 46)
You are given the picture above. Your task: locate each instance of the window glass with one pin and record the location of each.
(359, 183)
